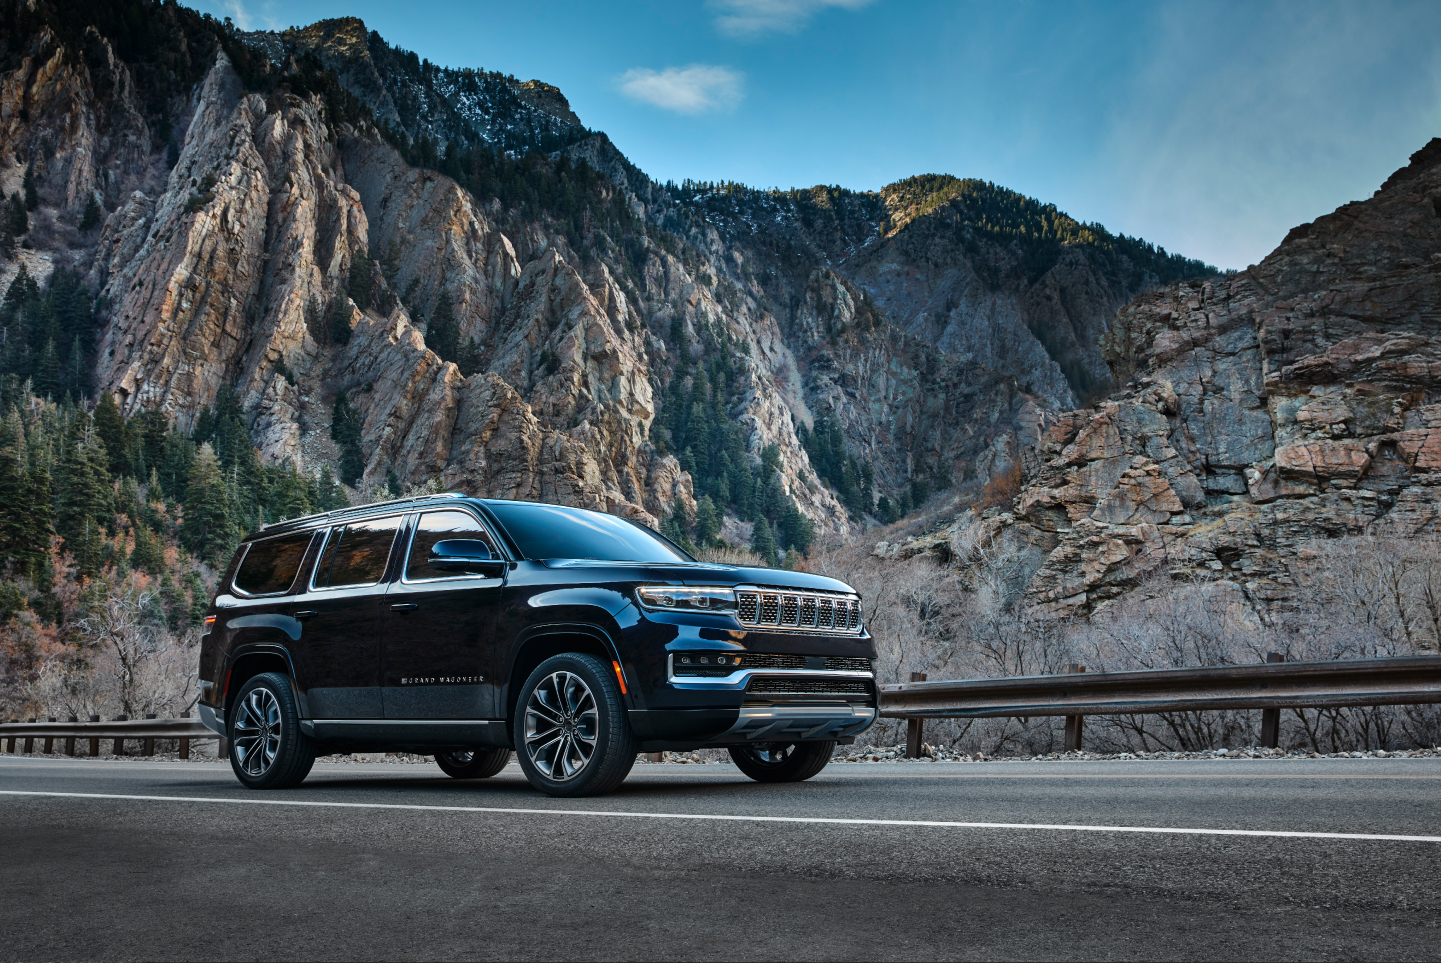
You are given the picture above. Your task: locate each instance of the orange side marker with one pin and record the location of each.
(621, 676)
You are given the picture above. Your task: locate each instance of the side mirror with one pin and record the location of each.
(464, 555)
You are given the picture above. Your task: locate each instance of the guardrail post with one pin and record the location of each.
(149, 743)
(1271, 718)
(222, 748)
(70, 740)
(1074, 724)
(10, 743)
(94, 740)
(185, 743)
(120, 743)
(30, 740)
(913, 726)
(49, 740)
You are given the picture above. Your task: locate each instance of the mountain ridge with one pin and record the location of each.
(598, 320)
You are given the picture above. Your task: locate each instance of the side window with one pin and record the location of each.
(437, 526)
(270, 564)
(356, 554)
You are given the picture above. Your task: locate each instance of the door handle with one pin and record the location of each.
(308, 613)
(404, 606)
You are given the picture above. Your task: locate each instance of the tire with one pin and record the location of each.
(570, 723)
(472, 763)
(267, 748)
(782, 761)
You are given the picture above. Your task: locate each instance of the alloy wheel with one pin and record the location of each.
(257, 731)
(562, 726)
(771, 753)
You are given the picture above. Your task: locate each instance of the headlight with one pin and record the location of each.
(688, 598)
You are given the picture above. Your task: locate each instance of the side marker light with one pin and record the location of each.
(621, 676)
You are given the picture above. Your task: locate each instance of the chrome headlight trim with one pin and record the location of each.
(687, 598)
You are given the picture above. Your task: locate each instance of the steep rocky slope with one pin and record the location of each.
(613, 342)
(1297, 400)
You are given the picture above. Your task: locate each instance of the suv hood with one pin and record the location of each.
(703, 573)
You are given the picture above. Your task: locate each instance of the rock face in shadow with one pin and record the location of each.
(1297, 400)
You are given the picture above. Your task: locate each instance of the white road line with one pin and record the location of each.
(714, 817)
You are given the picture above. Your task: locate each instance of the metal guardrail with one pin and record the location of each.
(1271, 687)
(147, 730)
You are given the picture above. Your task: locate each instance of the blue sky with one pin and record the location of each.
(1210, 128)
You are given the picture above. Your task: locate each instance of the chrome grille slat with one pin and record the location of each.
(805, 610)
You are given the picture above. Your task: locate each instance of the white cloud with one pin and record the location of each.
(243, 15)
(751, 18)
(695, 89)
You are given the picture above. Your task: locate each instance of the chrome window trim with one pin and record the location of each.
(315, 570)
(414, 520)
(743, 675)
(235, 586)
(802, 596)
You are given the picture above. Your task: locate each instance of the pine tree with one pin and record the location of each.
(90, 219)
(328, 494)
(85, 502)
(47, 372)
(707, 521)
(148, 555)
(763, 542)
(110, 426)
(290, 497)
(18, 217)
(469, 359)
(32, 196)
(361, 280)
(345, 426)
(207, 530)
(443, 334)
(339, 327)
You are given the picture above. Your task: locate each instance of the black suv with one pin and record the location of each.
(465, 627)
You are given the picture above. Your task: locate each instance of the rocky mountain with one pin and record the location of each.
(1297, 400)
(507, 304)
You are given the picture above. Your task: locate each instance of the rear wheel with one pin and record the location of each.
(782, 761)
(571, 731)
(472, 763)
(267, 748)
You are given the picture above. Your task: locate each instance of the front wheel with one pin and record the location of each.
(782, 761)
(267, 748)
(571, 732)
(472, 763)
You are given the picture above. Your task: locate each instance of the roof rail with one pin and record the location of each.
(356, 509)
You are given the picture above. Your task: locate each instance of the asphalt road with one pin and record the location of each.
(865, 861)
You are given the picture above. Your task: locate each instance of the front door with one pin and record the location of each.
(342, 618)
(440, 629)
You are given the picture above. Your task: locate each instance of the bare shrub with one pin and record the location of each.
(125, 660)
(966, 618)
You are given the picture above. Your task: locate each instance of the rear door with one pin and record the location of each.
(342, 615)
(440, 659)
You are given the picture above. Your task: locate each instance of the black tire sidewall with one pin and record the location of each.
(808, 759)
(615, 745)
(297, 751)
(485, 762)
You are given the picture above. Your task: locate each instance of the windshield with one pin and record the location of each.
(549, 531)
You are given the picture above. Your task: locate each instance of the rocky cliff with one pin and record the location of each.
(1297, 400)
(512, 307)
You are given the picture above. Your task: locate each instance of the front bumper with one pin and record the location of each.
(658, 729)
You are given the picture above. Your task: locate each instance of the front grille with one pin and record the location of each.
(810, 611)
(810, 688)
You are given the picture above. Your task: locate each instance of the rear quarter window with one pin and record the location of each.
(271, 564)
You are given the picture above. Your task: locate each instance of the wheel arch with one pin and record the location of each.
(255, 660)
(541, 642)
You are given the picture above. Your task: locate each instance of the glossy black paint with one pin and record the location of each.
(405, 664)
